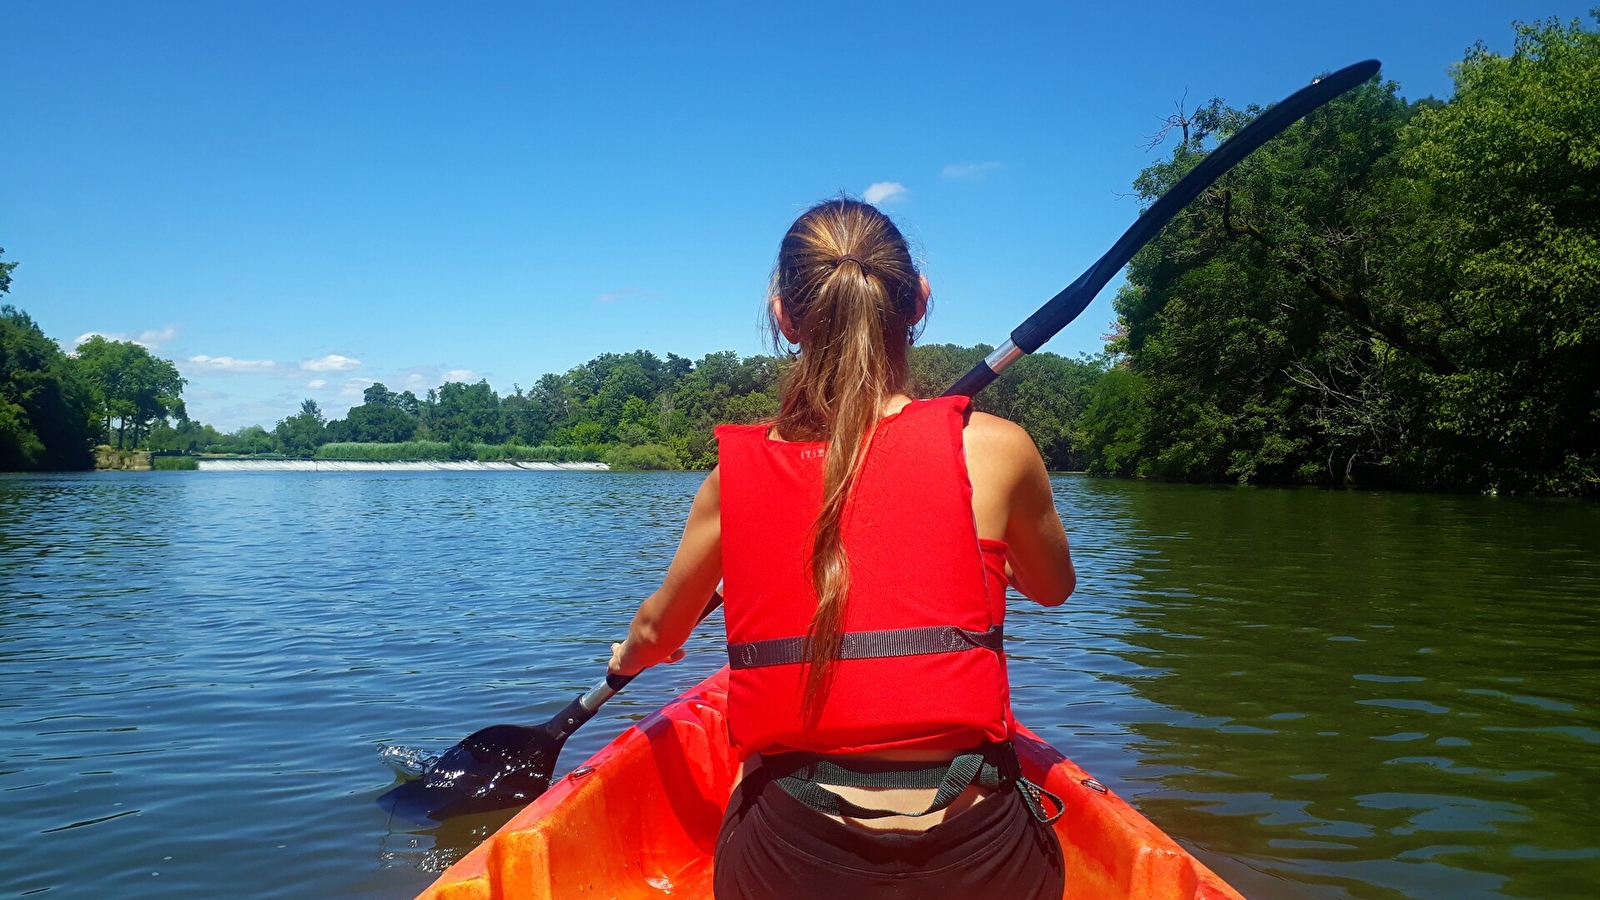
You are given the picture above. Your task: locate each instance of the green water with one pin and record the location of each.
(1372, 695)
(1330, 695)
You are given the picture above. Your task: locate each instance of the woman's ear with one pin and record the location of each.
(922, 299)
(786, 327)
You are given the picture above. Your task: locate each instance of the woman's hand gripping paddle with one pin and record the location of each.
(511, 765)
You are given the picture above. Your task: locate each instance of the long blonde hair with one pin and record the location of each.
(852, 295)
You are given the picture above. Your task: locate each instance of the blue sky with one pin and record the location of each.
(296, 199)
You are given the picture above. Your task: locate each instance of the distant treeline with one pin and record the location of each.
(1393, 293)
(634, 410)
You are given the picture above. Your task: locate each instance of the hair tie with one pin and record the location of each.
(850, 257)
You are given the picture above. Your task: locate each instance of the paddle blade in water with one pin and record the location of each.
(494, 768)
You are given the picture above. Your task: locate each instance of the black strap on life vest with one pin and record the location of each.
(868, 645)
(804, 776)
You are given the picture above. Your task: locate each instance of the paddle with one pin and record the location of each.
(511, 765)
(502, 765)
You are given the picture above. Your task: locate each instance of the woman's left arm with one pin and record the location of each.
(666, 617)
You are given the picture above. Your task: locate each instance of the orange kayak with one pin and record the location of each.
(640, 818)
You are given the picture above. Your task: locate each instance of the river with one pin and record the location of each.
(1322, 694)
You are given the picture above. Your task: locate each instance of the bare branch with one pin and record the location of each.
(1181, 119)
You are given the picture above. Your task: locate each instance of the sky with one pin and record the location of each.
(295, 200)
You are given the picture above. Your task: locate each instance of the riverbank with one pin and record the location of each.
(112, 459)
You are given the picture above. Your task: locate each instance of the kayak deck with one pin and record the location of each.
(640, 820)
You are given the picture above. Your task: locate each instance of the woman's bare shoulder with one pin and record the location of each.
(999, 452)
(999, 438)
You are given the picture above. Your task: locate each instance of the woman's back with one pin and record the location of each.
(865, 607)
(927, 593)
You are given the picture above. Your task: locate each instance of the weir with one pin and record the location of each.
(372, 465)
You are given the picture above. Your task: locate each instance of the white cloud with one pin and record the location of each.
(415, 382)
(884, 192)
(354, 388)
(333, 362)
(154, 339)
(235, 366)
(969, 171)
(625, 293)
(150, 340)
(316, 383)
(466, 376)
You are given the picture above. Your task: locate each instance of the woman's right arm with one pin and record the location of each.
(1011, 495)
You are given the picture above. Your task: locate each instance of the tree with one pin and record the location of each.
(378, 395)
(46, 406)
(188, 436)
(136, 388)
(301, 434)
(1406, 293)
(374, 423)
(47, 418)
(1505, 268)
(249, 440)
(468, 412)
(381, 418)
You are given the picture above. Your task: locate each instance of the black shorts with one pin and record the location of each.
(773, 847)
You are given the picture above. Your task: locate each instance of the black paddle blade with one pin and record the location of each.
(493, 768)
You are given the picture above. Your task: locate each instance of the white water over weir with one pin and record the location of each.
(373, 465)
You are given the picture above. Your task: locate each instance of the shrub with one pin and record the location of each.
(643, 457)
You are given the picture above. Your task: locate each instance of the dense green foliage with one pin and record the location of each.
(1408, 293)
(638, 411)
(135, 388)
(47, 408)
(645, 457)
(1044, 393)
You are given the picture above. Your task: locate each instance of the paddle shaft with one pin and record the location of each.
(1075, 297)
(588, 703)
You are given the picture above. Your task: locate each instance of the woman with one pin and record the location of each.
(864, 541)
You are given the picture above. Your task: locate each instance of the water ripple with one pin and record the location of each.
(1323, 695)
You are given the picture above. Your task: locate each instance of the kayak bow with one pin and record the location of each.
(640, 819)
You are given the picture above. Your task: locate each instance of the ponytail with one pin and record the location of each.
(851, 295)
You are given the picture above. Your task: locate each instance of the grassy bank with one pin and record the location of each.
(174, 464)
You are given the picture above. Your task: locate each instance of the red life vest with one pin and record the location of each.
(918, 573)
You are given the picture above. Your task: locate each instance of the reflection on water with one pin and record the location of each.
(1365, 695)
(433, 847)
(1326, 695)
